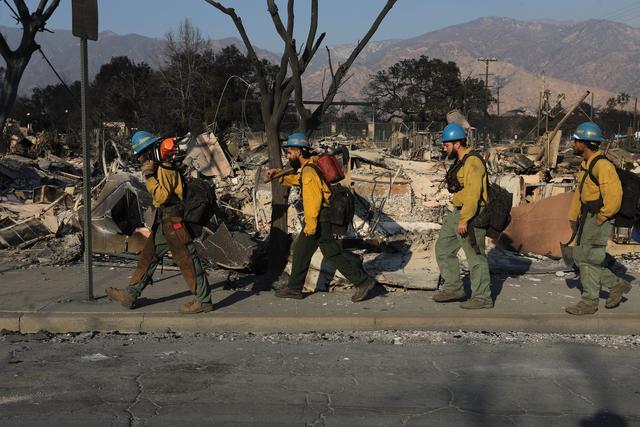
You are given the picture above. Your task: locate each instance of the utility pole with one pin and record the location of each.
(498, 98)
(85, 26)
(635, 116)
(486, 87)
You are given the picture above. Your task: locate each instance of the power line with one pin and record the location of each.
(73, 97)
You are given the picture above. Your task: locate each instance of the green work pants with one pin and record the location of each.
(184, 254)
(447, 246)
(589, 256)
(305, 246)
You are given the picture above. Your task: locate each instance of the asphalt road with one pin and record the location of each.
(359, 379)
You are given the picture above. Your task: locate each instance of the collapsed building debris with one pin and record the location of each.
(401, 201)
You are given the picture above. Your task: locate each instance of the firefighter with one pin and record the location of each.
(315, 197)
(168, 232)
(467, 180)
(593, 207)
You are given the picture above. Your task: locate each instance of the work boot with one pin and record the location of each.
(448, 296)
(122, 296)
(615, 294)
(475, 304)
(362, 291)
(195, 307)
(287, 292)
(582, 308)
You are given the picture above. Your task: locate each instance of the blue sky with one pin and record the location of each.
(344, 20)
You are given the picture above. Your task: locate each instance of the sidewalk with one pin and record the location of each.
(54, 299)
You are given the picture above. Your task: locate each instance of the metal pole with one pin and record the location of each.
(86, 169)
(635, 116)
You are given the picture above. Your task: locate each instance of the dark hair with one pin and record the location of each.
(306, 152)
(591, 145)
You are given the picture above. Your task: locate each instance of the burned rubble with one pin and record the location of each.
(401, 201)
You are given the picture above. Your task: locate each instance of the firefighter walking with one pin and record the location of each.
(316, 233)
(595, 202)
(168, 232)
(467, 180)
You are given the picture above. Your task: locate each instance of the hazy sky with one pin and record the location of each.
(344, 21)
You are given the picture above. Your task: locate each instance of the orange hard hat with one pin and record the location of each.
(167, 148)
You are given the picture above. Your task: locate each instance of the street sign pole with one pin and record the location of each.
(85, 26)
(86, 169)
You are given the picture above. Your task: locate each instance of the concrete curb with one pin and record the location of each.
(30, 322)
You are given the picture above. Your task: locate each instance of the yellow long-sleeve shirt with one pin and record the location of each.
(473, 177)
(315, 194)
(163, 184)
(609, 188)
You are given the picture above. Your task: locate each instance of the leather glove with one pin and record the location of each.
(148, 168)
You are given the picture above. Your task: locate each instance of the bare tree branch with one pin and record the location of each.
(290, 18)
(290, 48)
(313, 28)
(41, 6)
(324, 76)
(23, 10)
(52, 7)
(15, 14)
(333, 74)
(343, 68)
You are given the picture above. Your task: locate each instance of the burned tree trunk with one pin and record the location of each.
(9, 89)
(18, 59)
(276, 92)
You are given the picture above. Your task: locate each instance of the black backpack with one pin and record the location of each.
(497, 212)
(199, 201)
(629, 213)
(341, 207)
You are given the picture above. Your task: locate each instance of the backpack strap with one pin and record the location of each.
(320, 175)
(590, 170)
(486, 170)
(316, 169)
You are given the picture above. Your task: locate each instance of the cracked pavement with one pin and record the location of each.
(345, 379)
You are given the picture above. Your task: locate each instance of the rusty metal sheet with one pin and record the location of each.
(539, 227)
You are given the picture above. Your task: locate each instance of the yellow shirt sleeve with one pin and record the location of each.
(290, 180)
(474, 176)
(610, 188)
(312, 198)
(163, 184)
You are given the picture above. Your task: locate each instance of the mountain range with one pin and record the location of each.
(565, 57)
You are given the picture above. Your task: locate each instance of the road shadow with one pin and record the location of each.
(612, 264)
(504, 265)
(604, 418)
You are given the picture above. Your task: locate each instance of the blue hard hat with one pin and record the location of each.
(588, 131)
(297, 139)
(453, 132)
(142, 140)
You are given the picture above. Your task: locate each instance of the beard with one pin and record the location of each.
(577, 151)
(453, 154)
(295, 164)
